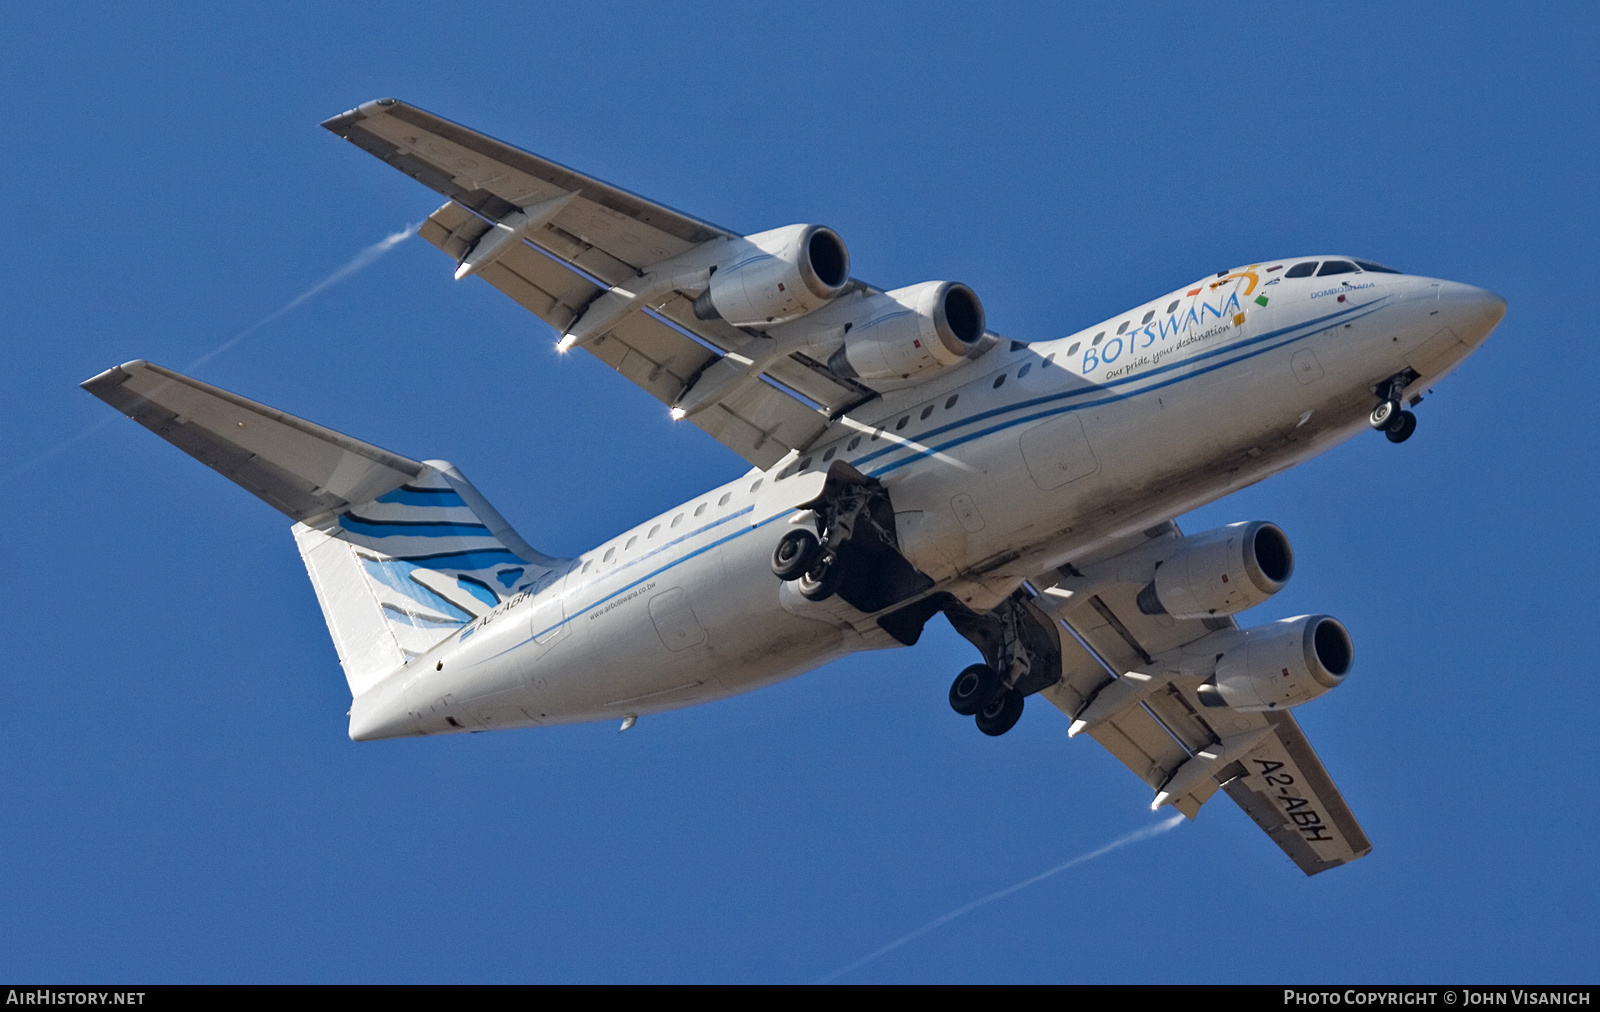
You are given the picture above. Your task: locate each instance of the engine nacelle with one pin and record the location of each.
(776, 276)
(1221, 572)
(912, 330)
(1274, 667)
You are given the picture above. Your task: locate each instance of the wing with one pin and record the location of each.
(1186, 750)
(562, 241)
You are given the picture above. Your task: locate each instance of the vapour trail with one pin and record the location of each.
(356, 264)
(937, 922)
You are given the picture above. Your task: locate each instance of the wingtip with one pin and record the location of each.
(350, 116)
(112, 377)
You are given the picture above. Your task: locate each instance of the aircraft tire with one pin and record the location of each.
(820, 581)
(1002, 714)
(796, 553)
(975, 686)
(1400, 430)
(1383, 415)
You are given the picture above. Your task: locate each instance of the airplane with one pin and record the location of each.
(905, 461)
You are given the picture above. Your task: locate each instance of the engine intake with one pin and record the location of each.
(1274, 667)
(1221, 572)
(775, 276)
(912, 330)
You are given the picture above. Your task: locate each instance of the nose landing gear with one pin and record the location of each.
(1388, 417)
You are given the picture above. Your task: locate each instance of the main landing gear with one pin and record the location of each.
(853, 552)
(1388, 417)
(814, 564)
(1019, 659)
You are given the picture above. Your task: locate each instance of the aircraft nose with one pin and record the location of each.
(1471, 312)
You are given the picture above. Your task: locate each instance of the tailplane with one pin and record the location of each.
(402, 553)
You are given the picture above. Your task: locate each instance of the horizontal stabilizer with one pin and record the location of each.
(299, 468)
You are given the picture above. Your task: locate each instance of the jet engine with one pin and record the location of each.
(1274, 667)
(912, 330)
(1221, 572)
(776, 276)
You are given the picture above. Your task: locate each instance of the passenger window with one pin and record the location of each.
(1052, 356)
(755, 486)
(610, 553)
(653, 532)
(829, 455)
(855, 441)
(926, 412)
(1336, 267)
(805, 462)
(1368, 265)
(725, 497)
(1173, 306)
(1074, 349)
(1148, 317)
(999, 380)
(875, 434)
(951, 401)
(1024, 370)
(585, 568)
(677, 520)
(1101, 336)
(1277, 268)
(699, 509)
(629, 546)
(1304, 270)
(901, 423)
(1120, 330)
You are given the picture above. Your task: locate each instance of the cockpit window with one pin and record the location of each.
(1336, 267)
(1368, 265)
(1304, 270)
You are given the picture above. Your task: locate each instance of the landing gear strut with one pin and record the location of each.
(1388, 417)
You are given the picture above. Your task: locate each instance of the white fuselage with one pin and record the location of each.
(998, 469)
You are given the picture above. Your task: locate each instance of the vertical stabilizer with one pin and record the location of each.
(397, 575)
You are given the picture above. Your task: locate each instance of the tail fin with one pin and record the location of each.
(401, 552)
(397, 575)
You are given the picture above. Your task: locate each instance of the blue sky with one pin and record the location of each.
(180, 800)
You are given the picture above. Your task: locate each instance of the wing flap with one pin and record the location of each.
(541, 284)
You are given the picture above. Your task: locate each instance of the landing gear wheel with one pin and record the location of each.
(974, 687)
(1400, 430)
(820, 581)
(1383, 415)
(796, 552)
(1002, 713)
